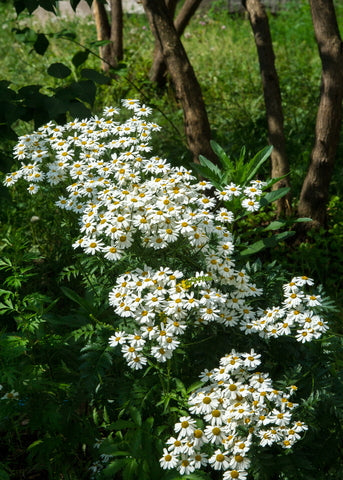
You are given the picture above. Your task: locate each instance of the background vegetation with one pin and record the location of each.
(55, 319)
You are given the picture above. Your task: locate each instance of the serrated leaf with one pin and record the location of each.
(211, 166)
(58, 70)
(206, 173)
(95, 76)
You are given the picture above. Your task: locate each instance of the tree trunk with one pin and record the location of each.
(117, 30)
(315, 191)
(187, 88)
(158, 70)
(113, 51)
(103, 30)
(272, 98)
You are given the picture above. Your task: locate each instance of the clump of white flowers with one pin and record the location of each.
(123, 198)
(237, 409)
(128, 202)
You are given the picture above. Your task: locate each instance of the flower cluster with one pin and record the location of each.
(238, 408)
(117, 191)
(162, 306)
(125, 199)
(297, 314)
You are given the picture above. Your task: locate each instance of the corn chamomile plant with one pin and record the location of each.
(176, 235)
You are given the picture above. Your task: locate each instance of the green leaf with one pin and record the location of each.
(136, 416)
(129, 472)
(206, 173)
(41, 44)
(79, 110)
(65, 34)
(303, 219)
(223, 157)
(271, 197)
(95, 76)
(276, 225)
(180, 386)
(211, 166)
(194, 386)
(267, 243)
(26, 35)
(80, 57)
(257, 162)
(34, 444)
(58, 70)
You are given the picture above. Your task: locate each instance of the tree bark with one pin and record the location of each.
(103, 31)
(272, 99)
(187, 88)
(158, 70)
(111, 53)
(117, 30)
(315, 190)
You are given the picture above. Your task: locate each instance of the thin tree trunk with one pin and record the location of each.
(112, 52)
(315, 191)
(117, 30)
(187, 88)
(158, 70)
(272, 98)
(103, 30)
